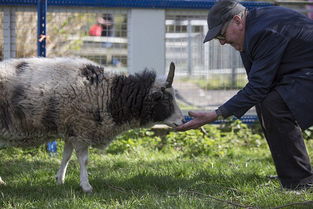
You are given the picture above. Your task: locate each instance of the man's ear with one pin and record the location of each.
(237, 19)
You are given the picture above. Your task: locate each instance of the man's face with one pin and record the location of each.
(233, 33)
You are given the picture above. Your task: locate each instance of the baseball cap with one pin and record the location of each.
(221, 12)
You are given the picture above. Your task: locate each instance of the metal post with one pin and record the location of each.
(9, 34)
(41, 27)
(146, 41)
(41, 50)
(189, 31)
(233, 69)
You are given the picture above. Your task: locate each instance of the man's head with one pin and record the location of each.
(226, 15)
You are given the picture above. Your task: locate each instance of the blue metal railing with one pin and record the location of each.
(158, 4)
(247, 119)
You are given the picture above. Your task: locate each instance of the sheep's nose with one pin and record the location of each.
(175, 124)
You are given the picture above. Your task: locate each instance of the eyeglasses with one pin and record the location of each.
(221, 36)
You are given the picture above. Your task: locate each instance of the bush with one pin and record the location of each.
(133, 139)
(308, 133)
(211, 140)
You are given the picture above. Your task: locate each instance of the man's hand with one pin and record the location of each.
(199, 119)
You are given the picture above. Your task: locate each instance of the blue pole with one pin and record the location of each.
(41, 48)
(41, 27)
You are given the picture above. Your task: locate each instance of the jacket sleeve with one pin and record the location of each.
(266, 51)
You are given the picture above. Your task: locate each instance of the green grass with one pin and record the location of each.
(147, 178)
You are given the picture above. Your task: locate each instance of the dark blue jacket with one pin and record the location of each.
(278, 54)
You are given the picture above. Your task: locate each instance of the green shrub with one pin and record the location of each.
(236, 132)
(192, 143)
(308, 133)
(133, 139)
(210, 140)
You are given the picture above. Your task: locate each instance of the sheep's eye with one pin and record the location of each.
(156, 96)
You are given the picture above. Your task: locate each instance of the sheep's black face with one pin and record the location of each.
(142, 98)
(163, 106)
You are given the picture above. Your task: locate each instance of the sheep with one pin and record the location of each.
(76, 100)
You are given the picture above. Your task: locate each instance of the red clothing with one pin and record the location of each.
(95, 30)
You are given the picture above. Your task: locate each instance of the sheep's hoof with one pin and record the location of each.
(59, 180)
(87, 188)
(2, 182)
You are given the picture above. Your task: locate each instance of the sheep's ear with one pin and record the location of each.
(170, 76)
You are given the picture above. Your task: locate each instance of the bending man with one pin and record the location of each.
(276, 47)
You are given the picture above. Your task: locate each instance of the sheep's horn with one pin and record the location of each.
(170, 75)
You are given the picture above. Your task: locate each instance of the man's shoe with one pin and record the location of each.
(300, 187)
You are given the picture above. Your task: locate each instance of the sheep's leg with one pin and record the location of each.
(82, 155)
(67, 153)
(1, 182)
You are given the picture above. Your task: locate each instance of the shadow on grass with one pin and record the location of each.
(202, 182)
(22, 168)
(39, 183)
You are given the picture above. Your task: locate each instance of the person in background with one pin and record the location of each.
(103, 27)
(276, 47)
(106, 21)
(95, 29)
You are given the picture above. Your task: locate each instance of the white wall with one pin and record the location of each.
(146, 37)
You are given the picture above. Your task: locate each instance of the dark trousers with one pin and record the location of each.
(285, 141)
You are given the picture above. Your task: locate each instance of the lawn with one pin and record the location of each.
(227, 171)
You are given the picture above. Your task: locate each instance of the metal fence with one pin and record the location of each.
(209, 74)
(70, 32)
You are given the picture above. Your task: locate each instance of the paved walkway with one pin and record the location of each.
(190, 94)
